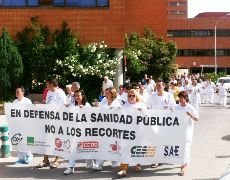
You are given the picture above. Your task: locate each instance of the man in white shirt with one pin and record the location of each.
(55, 96)
(160, 100)
(23, 157)
(149, 87)
(75, 86)
(222, 94)
(70, 100)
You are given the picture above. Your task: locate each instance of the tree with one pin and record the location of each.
(40, 49)
(65, 45)
(36, 54)
(149, 54)
(11, 67)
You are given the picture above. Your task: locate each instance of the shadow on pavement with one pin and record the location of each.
(227, 156)
(207, 179)
(226, 138)
(9, 170)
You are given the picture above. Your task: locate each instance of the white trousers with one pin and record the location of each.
(72, 163)
(223, 100)
(100, 163)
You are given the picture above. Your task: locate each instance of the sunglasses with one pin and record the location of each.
(132, 96)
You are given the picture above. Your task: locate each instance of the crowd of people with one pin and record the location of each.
(183, 92)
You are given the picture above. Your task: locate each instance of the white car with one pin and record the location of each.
(226, 83)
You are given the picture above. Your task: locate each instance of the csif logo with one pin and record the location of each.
(143, 151)
(16, 139)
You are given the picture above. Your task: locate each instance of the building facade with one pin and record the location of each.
(110, 20)
(94, 20)
(196, 42)
(177, 9)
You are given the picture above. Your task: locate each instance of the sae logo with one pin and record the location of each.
(171, 151)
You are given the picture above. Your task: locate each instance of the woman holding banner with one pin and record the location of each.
(23, 157)
(192, 113)
(80, 101)
(109, 101)
(134, 101)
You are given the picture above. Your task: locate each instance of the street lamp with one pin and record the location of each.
(215, 40)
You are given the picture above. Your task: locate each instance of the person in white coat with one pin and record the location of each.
(24, 157)
(80, 101)
(222, 94)
(193, 116)
(134, 101)
(109, 101)
(210, 91)
(194, 94)
(161, 100)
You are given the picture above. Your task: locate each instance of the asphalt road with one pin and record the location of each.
(210, 157)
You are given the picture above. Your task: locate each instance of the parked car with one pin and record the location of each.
(226, 83)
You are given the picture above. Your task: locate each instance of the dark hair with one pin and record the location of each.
(135, 86)
(84, 100)
(160, 80)
(127, 86)
(22, 88)
(183, 94)
(54, 82)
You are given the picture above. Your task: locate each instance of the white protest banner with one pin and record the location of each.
(125, 135)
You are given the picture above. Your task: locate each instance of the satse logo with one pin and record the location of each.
(16, 139)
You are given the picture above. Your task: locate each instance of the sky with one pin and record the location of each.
(197, 6)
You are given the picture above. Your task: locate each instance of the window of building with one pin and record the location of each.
(45, 2)
(177, 12)
(103, 3)
(81, 3)
(18, 3)
(177, 3)
(58, 3)
(222, 32)
(203, 52)
(198, 33)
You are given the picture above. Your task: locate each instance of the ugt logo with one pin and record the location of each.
(58, 143)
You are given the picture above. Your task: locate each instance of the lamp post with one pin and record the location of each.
(215, 39)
